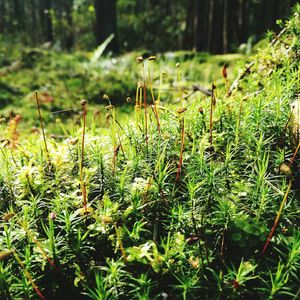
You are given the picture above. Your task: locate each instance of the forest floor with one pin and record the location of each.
(151, 190)
(64, 79)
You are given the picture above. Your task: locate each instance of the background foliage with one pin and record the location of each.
(156, 25)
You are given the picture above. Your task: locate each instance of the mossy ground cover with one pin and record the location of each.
(184, 200)
(63, 79)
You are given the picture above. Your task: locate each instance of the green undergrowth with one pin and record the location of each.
(63, 79)
(177, 202)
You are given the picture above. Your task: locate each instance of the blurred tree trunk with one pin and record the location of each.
(47, 20)
(195, 26)
(190, 29)
(106, 22)
(2, 16)
(225, 27)
(8, 16)
(69, 38)
(33, 22)
(243, 21)
(270, 11)
(210, 24)
(215, 44)
(202, 26)
(196, 31)
(18, 15)
(153, 3)
(207, 25)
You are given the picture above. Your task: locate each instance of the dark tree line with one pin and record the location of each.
(40, 21)
(217, 26)
(106, 21)
(34, 20)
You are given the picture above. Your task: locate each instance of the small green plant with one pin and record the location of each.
(101, 290)
(237, 278)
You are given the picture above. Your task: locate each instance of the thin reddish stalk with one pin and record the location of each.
(295, 154)
(51, 262)
(42, 126)
(121, 147)
(156, 117)
(116, 152)
(226, 82)
(277, 217)
(284, 130)
(30, 279)
(181, 151)
(155, 111)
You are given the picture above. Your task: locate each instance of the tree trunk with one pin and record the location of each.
(106, 22)
(48, 31)
(69, 38)
(210, 24)
(202, 32)
(190, 30)
(215, 43)
(34, 25)
(243, 21)
(225, 27)
(2, 16)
